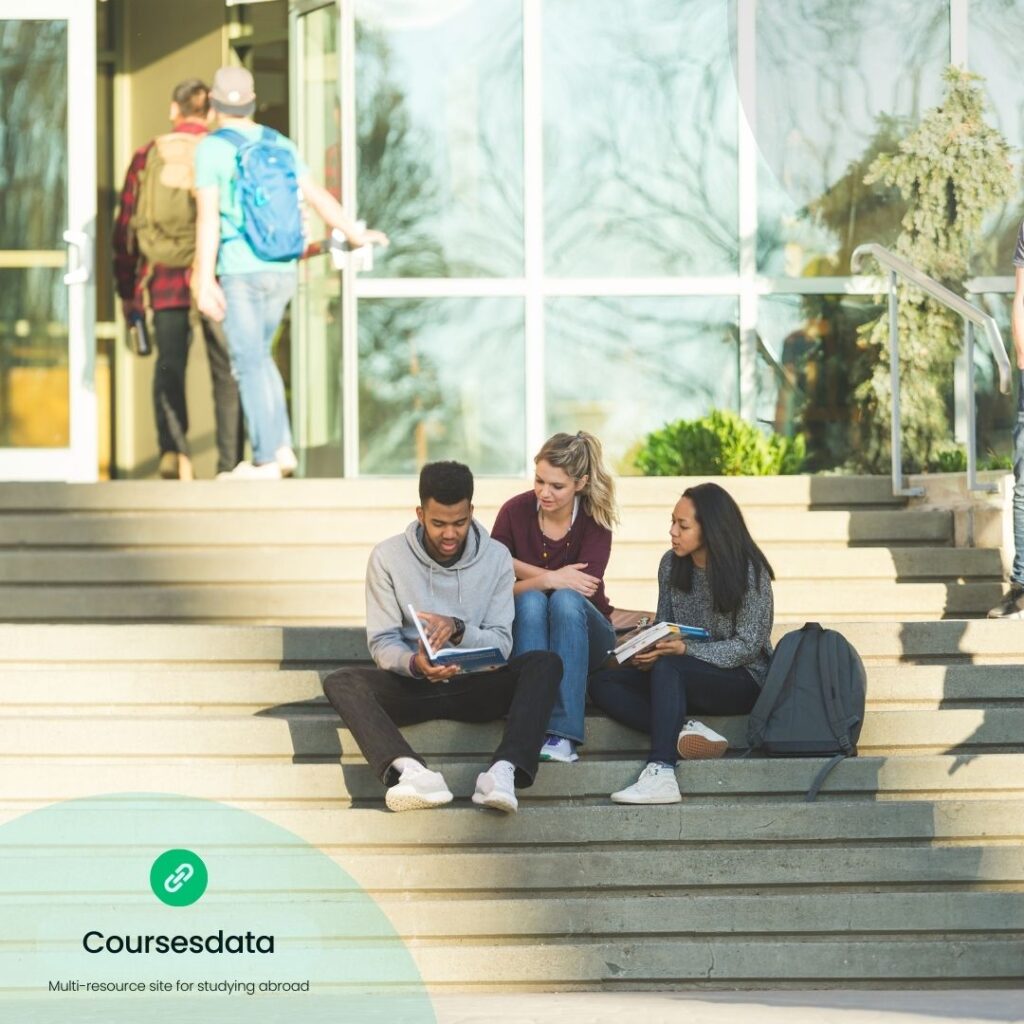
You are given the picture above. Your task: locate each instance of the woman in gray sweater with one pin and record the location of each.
(715, 577)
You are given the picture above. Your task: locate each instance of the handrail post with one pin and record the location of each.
(895, 445)
(972, 426)
(897, 266)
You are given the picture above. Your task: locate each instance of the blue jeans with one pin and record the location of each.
(255, 306)
(1017, 572)
(565, 622)
(660, 701)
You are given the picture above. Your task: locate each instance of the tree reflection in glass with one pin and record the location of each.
(441, 379)
(439, 121)
(809, 365)
(621, 367)
(639, 138)
(826, 71)
(996, 30)
(33, 216)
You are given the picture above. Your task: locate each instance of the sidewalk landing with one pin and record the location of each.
(829, 1006)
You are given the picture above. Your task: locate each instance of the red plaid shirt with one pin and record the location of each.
(169, 286)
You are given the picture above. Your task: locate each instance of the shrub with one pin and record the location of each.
(719, 444)
(950, 457)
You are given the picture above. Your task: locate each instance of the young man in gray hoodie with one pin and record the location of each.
(460, 582)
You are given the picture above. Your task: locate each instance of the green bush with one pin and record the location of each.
(719, 444)
(950, 457)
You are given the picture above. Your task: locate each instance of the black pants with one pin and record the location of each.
(374, 703)
(660, 701)
(173, 337)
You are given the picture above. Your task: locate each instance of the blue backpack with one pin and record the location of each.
(268, 190)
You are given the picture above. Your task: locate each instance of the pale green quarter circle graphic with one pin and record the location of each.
(281, 932)
(178, 878)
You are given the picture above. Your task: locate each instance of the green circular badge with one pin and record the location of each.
(178, 878)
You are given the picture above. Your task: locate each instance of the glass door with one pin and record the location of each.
(320, 305)
(47, 228)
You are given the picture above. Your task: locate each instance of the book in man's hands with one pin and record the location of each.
(648, 636)
(468, 659)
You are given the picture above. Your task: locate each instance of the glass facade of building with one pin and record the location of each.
(609, 216)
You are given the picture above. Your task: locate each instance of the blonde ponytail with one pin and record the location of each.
(579, 455)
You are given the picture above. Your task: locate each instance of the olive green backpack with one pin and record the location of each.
(164, 221)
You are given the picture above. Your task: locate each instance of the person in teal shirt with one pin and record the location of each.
(233, 285)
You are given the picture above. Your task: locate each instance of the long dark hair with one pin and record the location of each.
(731, 550)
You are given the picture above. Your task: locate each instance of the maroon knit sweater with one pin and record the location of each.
(518, 529)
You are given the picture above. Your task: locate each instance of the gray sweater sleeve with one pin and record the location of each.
(752, 633)
(664, 612)
(388, 645)
(495, 629)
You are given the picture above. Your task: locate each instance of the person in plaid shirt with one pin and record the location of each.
(166, 292)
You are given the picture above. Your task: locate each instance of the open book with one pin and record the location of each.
(648, 636)
(468, 659)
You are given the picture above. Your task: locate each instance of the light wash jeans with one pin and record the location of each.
(565, 622)
(1017, 572)
(255, 306)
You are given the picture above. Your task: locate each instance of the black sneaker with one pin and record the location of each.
(1011, 606)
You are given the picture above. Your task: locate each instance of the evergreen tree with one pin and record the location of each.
(951, 171)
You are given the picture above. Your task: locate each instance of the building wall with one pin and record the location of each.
(160, 45)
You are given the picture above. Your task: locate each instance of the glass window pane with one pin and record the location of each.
(997, 413)
(320, 113)
(316, 405)
(440, 125)
(809, 364)
(837, 84)
(33, 147)
(640, 124)
(441, 379)
(623, 367)
(996, 29)
(34, 392)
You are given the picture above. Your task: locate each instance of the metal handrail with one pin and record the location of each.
(972, 316)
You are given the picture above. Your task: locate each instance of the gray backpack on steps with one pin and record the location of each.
(812, 701)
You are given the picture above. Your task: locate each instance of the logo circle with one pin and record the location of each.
(178, 878)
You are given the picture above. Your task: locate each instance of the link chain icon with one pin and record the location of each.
(178, 878)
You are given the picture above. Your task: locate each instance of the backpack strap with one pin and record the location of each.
(237, 139)
(778, 673)
(823, 774)
(828, 669)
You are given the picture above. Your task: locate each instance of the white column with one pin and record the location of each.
(533, 226)
(746, 70)
(349, 301)
(958, 17)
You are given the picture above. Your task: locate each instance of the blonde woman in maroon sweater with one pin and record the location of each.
(560, 537)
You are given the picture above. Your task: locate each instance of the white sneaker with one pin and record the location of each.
(496, 788)
(418, 788)
(558, 748)
(656, 785)
(287, 460)
(247, 471)
(697, 742)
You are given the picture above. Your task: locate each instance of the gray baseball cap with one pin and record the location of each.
(233, 92)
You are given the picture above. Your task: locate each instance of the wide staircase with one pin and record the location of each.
(169, 632)
(295, 553)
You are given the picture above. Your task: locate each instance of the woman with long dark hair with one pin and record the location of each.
(715, 577)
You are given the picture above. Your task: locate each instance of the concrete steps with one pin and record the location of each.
(331, 785)
(296, 552)
(907, 871)
(158, 690)
(312, 734)
(344, 603)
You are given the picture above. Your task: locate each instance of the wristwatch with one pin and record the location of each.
(458, 632)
